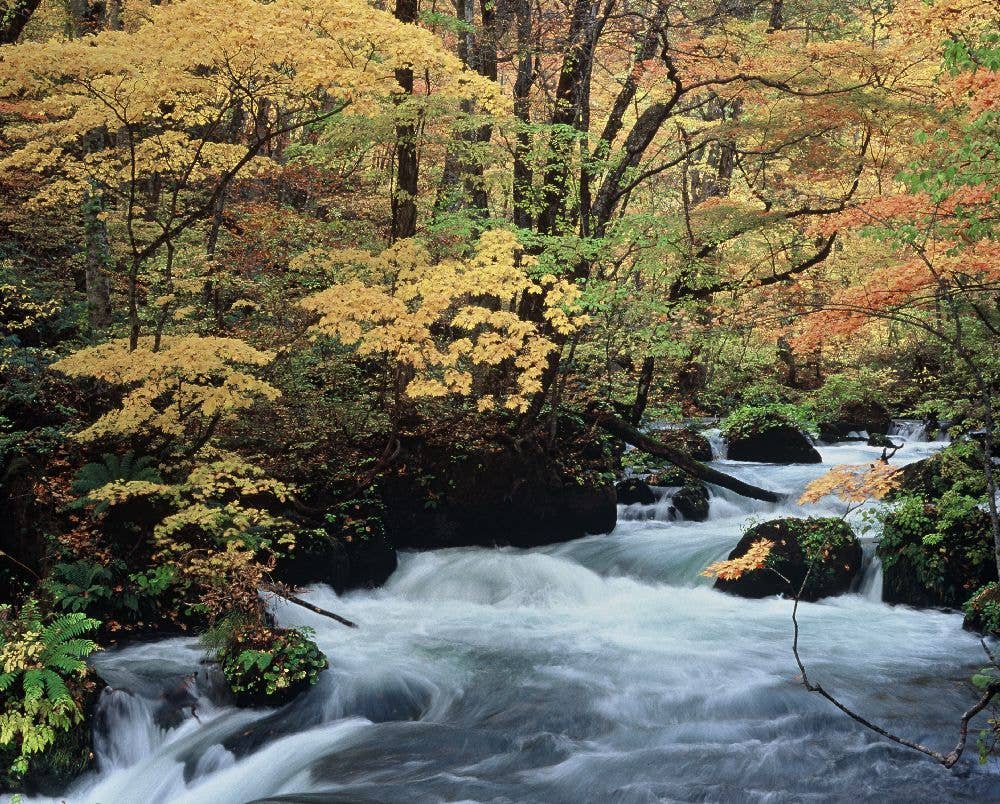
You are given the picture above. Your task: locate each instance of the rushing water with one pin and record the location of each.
(600, 670)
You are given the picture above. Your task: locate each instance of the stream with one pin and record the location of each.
(604, 669)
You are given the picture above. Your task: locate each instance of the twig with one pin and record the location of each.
(947, 760)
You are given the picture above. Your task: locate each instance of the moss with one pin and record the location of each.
(751, 420)
(270, 666)
(936, 552)
(826, 545)
(982, 610)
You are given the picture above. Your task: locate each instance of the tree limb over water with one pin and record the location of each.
(623, 430)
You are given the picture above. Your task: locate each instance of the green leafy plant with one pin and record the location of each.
(267, 665)
(41, 667)
(77, 586)
(111, 467)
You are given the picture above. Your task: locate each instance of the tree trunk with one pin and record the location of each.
(14, 18)
(642, 390)
(97, 286)
(404, 199)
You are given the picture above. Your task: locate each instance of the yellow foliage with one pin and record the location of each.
(188, 381)
(182, 73)
(753, 559)
(853, 484)
(472, 300)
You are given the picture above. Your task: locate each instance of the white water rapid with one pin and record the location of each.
(600, 670)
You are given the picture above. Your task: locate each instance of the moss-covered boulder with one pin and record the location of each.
(688, 441)
(669, 476)
(632, 491)
(691, 501)
(768, 434)
(936, 553)
(827, 545)
(958, 467)
(982, 610)
(269, 666)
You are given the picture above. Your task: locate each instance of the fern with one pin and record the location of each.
(113, 467)
(47, 659)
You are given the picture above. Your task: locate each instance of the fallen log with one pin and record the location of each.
(623, 430)
(285, 594)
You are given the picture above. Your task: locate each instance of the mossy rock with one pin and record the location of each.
(936, 553)
(957, 467)
(783, 444)
(686, 440)
(691, 501)
(669, 476)
(828, 544)
(270, 666)
(982, 610)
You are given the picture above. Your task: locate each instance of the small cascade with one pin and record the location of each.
(124, 729)
(717, 442)
(910, 430)
(869, 581)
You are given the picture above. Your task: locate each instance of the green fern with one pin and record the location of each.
(48, 659)
(113, 467)
(78, 585)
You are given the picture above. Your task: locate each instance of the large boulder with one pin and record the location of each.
(632, 490)
(691, 501)
(936, 553)
(827, 544)
(854, 417)
(523, 494)
(342, 562)
(780, 444)
(686, 440)
(957, 467)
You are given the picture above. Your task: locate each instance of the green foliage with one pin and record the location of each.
(982, 609)
(265, 665)
(943, 548)
(79, 585)
(753, 419)
(111, 467)
(41, 665)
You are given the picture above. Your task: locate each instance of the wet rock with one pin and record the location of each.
(319, 557)
(828, 544)
(686, 440)
(523, 494)
(853, 417)
(781, 444)
(632, 490)
(691, 502)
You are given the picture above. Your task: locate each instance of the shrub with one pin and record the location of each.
(982, 610)
(748, 420)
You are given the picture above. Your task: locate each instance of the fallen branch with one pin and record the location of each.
(298, 601)
(622, 429)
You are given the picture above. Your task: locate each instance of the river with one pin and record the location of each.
(601, 670)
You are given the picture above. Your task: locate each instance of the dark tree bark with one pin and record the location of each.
(15, 18)
(523, 174)
(97, 256)
(404, 199)
(625, 431)
(642, 390)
